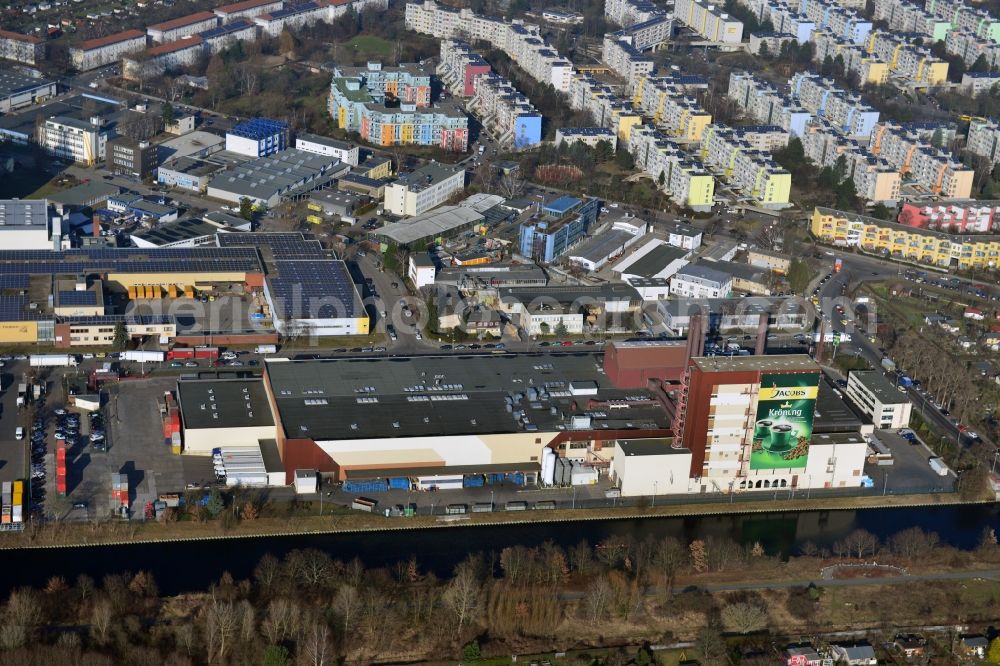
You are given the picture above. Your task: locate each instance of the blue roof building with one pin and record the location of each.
(258, 137)
(561, 223)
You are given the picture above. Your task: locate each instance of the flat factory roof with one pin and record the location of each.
(360, 398)
(223, 403)
(775, 363)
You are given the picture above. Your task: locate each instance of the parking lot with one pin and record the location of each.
(909, 471)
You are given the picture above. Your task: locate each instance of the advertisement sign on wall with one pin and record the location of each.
(785, 407)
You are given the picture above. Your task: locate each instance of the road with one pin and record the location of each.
(857, 269)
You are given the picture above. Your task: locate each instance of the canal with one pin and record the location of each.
(187, 566)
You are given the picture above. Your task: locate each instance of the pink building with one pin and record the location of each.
(975, 217)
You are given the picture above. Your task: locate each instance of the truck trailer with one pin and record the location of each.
(52, 360)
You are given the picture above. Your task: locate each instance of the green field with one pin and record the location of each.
(370, 45)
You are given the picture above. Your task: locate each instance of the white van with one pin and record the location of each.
(19, 432)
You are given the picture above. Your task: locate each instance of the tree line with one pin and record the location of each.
(310, 608)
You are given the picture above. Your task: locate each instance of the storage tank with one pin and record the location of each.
(548, 466)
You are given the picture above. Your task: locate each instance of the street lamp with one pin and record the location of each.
(652, 502)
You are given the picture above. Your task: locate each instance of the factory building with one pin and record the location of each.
(27, 224)
(258, 137)
(224, 413)
(751, 423)
(878, 399)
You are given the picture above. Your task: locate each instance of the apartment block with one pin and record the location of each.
(247, 10)
(762, 179)
(291, 17)
(844, 110)
(625, 60)
(670, 108)
(908, 17)
(907, 150)
(721, 144)
(875, 180)
(681, 176)
(976, 83)
(856, 58)
(25, 49)
(973, 217)
(926, 246)
(709, 21)
(772, 41)
(915, 64)
(966, 17)
(845, 23)
(589, 136)
(355, 108)
(784, 16)
(95, 53)
(218, 39)
(967, 46)
(766, 105)
(523, 42)
(184, 26)
(459, 67)
(407, 83)
(507, 113)
(984, 139)
(630, 12)
(156, 60)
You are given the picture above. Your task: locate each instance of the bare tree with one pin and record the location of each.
(744, 618)
(100, 621)
(510, 185)
(316, 645)
(597, 598)
(220, 628)
(861, 542)
(463, 594)
(345, 604)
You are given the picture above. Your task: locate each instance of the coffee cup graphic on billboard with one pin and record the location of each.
(786, 404)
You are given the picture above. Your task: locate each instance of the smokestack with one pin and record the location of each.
(761, 335)
(699, 339)
(95, 223)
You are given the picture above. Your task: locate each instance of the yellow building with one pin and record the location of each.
(903, 242)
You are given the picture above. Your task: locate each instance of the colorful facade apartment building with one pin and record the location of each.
(908, 150)
(670, 108)
(906, 243)
(356, 107)
(974, 217)
(914, 63)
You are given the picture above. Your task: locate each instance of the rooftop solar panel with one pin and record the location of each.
(315, 290)
(77, 298)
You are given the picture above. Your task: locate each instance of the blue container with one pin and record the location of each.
(517, 478)
(370, 486)
(494, 478)
(473, 481)
(399, 483)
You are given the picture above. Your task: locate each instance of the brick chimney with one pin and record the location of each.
(95, 223)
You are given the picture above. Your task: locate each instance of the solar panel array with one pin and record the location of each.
(15, 308)
(77, 298)
(315, 290)
(138, 320)
(283, 245)
(14, 281)
(131, 260)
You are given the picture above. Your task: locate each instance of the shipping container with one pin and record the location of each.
(482, 507)
(439, 482)
(247, 480)
(188, 291)
(143, 356)
(172, 500)
(179, 353)
(266, 349)
(515, 506)
(206, 352)
(456, 509)
(545, 504)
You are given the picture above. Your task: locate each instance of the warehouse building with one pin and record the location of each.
(224, 413)
(430, 186)
(607, 244)
(288, 174)
(440, 223)
(451, 416)
(187, 173)
(184, 233)
(321, 145)
(878, 399)
(18, 90)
